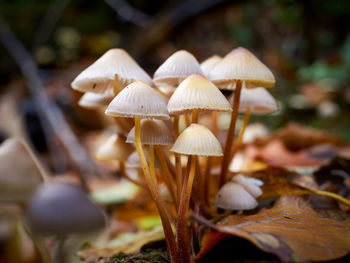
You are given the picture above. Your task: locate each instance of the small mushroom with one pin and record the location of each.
(176, 68)
(62, 210)
(208, 64)
(252, 185)
(20, 172)
(233, 196)
(92, 100)
(115, 67)
(238, 66)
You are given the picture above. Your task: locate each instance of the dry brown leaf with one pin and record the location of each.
(291, 230)
(125, 243)
(297, 137)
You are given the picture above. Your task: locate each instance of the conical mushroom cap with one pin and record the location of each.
(249, 184)
(20, 174)
(114, 149)
(233, 196)
(153, 132)
(92, 100)
(259, 100)
(138, 99)
(61, 209)
(197, 140)
(176, 68)
(197, 92)
(100, 75)
(208, 64)
(241, 64)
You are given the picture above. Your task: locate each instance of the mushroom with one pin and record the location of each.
(233, 196)
(196, 93)
(114, 70)
(61, 210)
(251, 185)
(92, 100)
(208, 64)
(138, 100)
(195, 140)
(176, 68)
(238, 66)
(20, 172)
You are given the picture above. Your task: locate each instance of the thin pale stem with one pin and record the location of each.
(169, 235)
(40, 245)
(231, 134)
(241, 133)
(178, 166)
(168, 179)
(181, 230)
(209, 161)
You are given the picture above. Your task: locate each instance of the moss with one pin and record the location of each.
(145, 256)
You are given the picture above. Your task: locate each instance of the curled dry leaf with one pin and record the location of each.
(291, 230)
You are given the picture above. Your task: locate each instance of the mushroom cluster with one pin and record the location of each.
(161, 119)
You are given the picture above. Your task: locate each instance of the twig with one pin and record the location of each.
(46, 108)
(48, 23)
(129, 13)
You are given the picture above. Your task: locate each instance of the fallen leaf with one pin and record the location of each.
(291, 230)
(297, 137)
(124, 243)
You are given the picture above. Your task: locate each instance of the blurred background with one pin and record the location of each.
(305, 43)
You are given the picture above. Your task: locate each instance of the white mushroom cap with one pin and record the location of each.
(208, 64)
(197, 140)
(20, 174)
(114, 149)
(259, 100)
(197, 92)
(233, 196)
(252, 185)
(176, 68)
(100, 75)
(153, 132)
(92, 100)
(241, 64)
(138, 99)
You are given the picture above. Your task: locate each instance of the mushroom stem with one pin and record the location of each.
(334, 196)
(177, 161)
(168, 179)
(187, 119)
(195, 116)
(58, 255)
(181, 229)
(207, 180)
(241, 133)
(210, 160)
(231, 134)
(40, 245)
(127, 177)
(150, 180)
